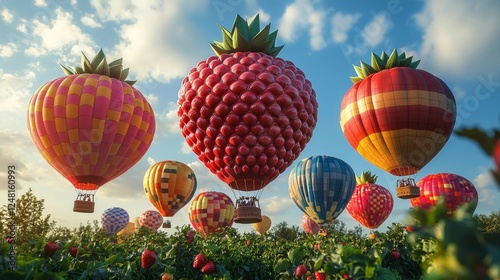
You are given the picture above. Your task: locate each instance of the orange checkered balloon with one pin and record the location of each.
(370, 204)
(453, 189)
(91, 126)
(169, 186)
(211, 212)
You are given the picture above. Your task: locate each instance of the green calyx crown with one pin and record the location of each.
(99, 65)
(245, 37)
(366, 178)
(382, 62)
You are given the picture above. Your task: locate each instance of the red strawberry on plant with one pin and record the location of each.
(199, 261)
(301, 270)
(409, 228)
(249, 242)
(148, 258)
(395, 255)
(246, 113)
(209, 268)
(73, 251)
(316, 247)
(50, 248)
(319, 275)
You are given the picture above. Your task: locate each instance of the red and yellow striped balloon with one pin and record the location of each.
(453, 189)
(90, 128)
(211, 212)
(370, 205)
(169, 186)
(399, 118)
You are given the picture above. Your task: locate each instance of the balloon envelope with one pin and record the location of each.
(321, 187)
(263, 226)
(151, 219)
(90, 128)
(114, 219)
(370, 205)
(126, 232)
(398, 119)
(309, 225)
(169, 186)
(454, 189)
(210, 212)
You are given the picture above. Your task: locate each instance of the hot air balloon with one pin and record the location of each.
(454, 189)
(247, 114)
(114, 219)
(91, 126)
(370, 204)
(151, 219)
(321, 187)
(309, 225)
(397, 117)
(126, 232)
(211, 212)
(169, 186)
(263, 226)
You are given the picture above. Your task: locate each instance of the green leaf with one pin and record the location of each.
(377, 63)
(295, 256)
(414, 64)
(102, 68)
(254, 26)
(385, 274)
(124, 74)
(262, 36)
(318, 264)
(359, 71)
(86, 65)
(367, 69)
(115, 71)
(356, 79)
(66, 70)
(78, 70)
(97, 59)
(282, 265)
(393, 60)
(115, 63)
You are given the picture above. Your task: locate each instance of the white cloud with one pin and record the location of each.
(7, 16)
(374, 31)
(276, 204)
(460, 40)
(302, 15)
(90, 21)
(151, 161)
(157, 38)
(7, 50)
(484, 183)
(21, 28)
(56, 35)
(14, 95)
(40, 3)
(342, 24)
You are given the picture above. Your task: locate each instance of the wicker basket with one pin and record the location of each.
(407, 192)
(83, 206)
(247, 215)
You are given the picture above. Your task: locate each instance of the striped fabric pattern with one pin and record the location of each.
(90, 128)
(321, 187)
(169, 186)
(454, 189)
(398, 119)
(211, 212)
(114, 219)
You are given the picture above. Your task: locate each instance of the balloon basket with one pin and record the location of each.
(247, 215)
(166, 224)
(83, 206)
(407, 192)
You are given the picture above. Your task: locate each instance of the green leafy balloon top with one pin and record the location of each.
(366, 178)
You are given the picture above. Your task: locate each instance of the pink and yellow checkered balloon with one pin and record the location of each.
(453, 189)
(211, 212)
(90, 128)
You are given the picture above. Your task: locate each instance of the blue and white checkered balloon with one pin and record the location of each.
(321, 186)
(114, 219)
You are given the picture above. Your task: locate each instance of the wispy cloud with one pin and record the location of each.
(7, 16)
(341, 24)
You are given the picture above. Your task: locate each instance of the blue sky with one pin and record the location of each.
(161, 40)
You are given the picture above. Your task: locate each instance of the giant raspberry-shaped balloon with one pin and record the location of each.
(247, 114)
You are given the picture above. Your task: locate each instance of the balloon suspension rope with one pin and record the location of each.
(85, 195)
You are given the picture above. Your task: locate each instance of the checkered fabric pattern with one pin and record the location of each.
(151, 219)
(114, 219)
(210, 212)
(370, 205)
(454, 189)
(169, 186)
(90, 128)
(321, 187)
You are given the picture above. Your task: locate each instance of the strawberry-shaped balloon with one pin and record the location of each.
(91, 125)
(453, 189)
(370, 204)
(246, 113)
(396, 116)
(151, 219)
